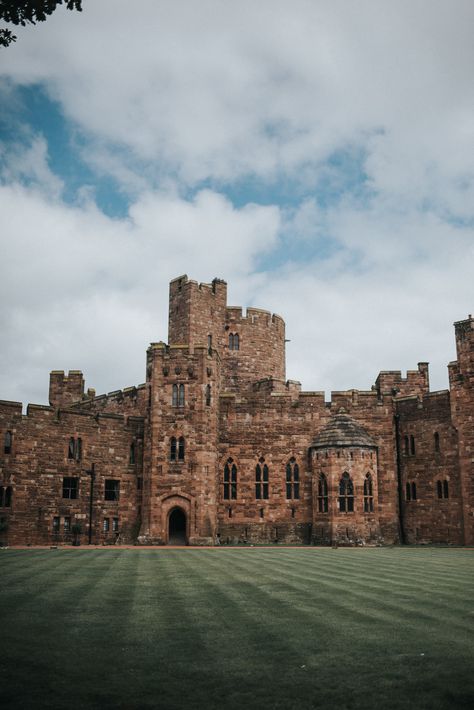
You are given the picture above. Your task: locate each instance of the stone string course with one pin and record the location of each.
(239, 409)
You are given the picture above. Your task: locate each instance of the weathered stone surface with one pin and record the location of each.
(216, 447)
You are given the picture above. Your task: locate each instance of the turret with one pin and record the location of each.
(251, 346)
(65, 389)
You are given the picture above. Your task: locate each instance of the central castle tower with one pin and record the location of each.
(212, 349)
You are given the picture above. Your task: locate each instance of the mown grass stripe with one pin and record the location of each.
(232, 628)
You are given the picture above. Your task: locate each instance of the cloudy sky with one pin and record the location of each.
(318, 155)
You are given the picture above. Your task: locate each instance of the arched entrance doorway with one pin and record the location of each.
(177, 527)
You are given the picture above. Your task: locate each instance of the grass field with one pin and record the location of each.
(230, 628)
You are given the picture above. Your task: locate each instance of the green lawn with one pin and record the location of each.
(237, 628)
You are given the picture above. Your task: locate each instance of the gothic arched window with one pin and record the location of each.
(323, 499)
(368, 494)
(261, 480)
(230, 480)
(346, 494)
(173, 449)
(234, 341)
(292, 479)
(181, 448)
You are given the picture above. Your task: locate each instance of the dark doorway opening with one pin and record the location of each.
(177, 527)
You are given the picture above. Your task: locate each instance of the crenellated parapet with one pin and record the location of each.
(65, 389)
(391, 382)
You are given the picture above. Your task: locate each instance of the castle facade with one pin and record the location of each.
(218, 447)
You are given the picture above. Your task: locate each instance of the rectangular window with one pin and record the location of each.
(56, 524)
(70, 487)
(139, 483)
(112, 489)
(115, 524)
(67, 524)
(106, 525)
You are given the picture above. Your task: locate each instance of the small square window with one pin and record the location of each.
(70, 487)
(112, 489)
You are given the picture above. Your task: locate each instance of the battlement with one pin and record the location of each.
(253, 316)
(128, 399)
(391, 382)
(65, 389)
(44, 412)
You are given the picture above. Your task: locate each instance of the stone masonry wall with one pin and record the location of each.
(39, 461)
(461, 378)
(428, 455)
(236, 405)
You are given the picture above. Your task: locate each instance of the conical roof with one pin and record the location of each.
(342, 430)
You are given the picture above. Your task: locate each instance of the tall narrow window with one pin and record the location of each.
(67, 524)
(177, 397)
(261, 480)
(181, 448)
(74, 450)
(292, 479)
(411, 490)
(436, 442)
(173, 449)
(208, 395)
(209, 344)
(106, 525)
(234, 341)
(406, 445)
(368, 494)
(230, 480)
(131, 457)
(412, 445)
(323, 499)
(442, 488)
(56, 523)
(346, 494)
(70, 488)
(8, 496)
(7, 447)
(115, 525)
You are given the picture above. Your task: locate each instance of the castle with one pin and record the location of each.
(217, 447)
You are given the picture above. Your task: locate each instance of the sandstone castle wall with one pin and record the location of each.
(217, 447)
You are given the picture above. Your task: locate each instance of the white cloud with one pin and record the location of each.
(30, 162)
(176, 93)
(80, 290)
(221, 90)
